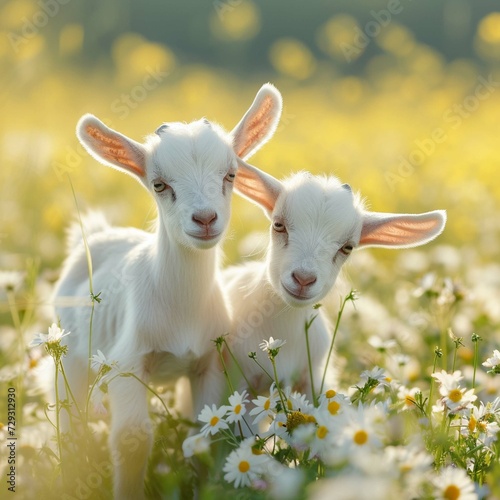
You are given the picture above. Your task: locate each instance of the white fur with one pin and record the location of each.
(162, 303)
(323, 219)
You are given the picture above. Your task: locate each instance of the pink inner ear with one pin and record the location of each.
(399, 231)
(113, 149)
(256, 126)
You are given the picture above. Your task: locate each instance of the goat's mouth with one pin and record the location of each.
(204, 237)
(297, 296)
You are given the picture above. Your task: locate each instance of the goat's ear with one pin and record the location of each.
(110, 147)
(259, 123)
(401, 230)
(259, 187)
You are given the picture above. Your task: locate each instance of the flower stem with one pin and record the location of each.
(350, 296)
(282, 399)
(58, 418)
(236, 362)
(313, 392)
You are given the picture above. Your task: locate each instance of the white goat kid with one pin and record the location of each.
(162, 303)
(316, 222)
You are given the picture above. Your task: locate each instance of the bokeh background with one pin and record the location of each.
(399, 98)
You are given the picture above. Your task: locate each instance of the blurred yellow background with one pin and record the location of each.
(394, 98)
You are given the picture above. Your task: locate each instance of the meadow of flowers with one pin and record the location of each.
(415, 411)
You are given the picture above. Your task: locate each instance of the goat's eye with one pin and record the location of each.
(347, 249)
(279, 227)
(160, 186)
(230, 177)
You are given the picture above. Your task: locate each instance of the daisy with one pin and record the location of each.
(271, 344)
(378, 374)
(453, 484)
(494, 361)
(213, 418)
(407, 397)
(243, 467)
(277, 427)
(295, 401)
(454, 397)
(334, 405)
(480, 425)
(53, 337)
(324, 436)
(408, 459)
(381, 345)
(99, 362)
(236, 408)
(195, 445)
(362, 433)
(264, 406)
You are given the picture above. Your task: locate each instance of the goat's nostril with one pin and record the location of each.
(204, 218)
(304, 279)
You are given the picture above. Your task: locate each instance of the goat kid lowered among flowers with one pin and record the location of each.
(159, 326)
(316, 222)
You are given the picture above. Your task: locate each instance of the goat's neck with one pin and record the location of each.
(182, 267)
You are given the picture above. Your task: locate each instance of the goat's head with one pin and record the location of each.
(188, 168)
(316, 222)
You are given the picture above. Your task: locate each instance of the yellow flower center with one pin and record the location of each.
(472, 424)
(388, 379)
(452, 492)
(322, 432)
(455, 395)
(267, 404)
(360, 437)
(33, 363)
(214, 420)
(482, 426)
(409, 401)
(243, 466)
(330, 394)
(237, 409)
(333, 407)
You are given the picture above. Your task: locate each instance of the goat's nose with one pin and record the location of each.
(205, 218)
(304, 278)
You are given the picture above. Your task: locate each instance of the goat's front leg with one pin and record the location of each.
(131, 437)
(207, 383)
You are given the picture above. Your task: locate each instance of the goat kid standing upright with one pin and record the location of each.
(162, 303)
(316, 222)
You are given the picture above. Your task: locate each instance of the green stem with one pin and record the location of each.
(263, 369)
(313, 392)
(90, 273)
(58, 419)
(282, 399)
(337, 324)
(250, 388)
(431, 389)
(476, 353)
(224, 368)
